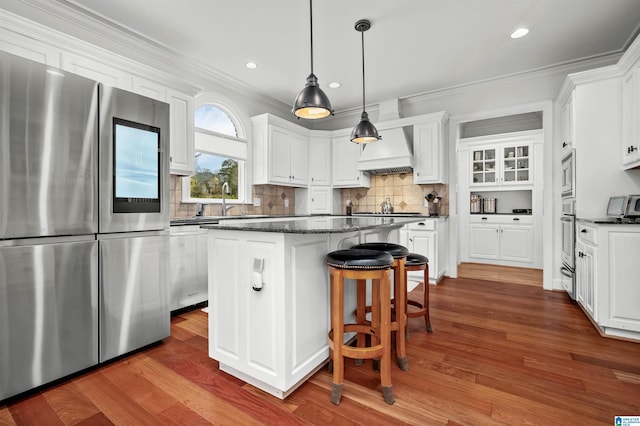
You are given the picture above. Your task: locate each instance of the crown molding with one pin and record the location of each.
(112, 37)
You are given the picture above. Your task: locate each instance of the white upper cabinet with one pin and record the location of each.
(567, 124)
(280, 152)
(182, 133)
(429, 151)
(97, 70)
(319, 160)
(508, 163)
(149, 88)
(630, 117)
(344, 164)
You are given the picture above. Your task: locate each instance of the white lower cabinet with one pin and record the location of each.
(273, 337)
(607, 271)
(188, 266)
(501, 238)
(585, 277)
(428, 238)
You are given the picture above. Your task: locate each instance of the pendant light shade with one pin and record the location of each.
(365, 131)
(312, 103)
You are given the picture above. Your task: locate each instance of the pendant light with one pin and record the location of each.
(312, 103)
(365, 131)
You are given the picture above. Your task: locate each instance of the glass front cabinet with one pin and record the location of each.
(501, 165)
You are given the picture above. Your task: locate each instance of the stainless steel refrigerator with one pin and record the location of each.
(78, 285)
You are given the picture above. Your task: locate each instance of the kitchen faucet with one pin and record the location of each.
(200, 210)
(225, 191)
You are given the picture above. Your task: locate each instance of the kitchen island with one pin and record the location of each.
(269, 293)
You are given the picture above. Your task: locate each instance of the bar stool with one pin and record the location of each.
(361, 265)
(418, 262)
(399, 322)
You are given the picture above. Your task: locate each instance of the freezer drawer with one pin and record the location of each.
(48, 312)
(134, 308)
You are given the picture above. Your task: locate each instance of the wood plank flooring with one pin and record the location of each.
(509, 274)
(500, 353)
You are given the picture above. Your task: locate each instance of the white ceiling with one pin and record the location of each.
(413, 46)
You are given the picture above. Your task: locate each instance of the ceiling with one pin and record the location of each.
(413, 46)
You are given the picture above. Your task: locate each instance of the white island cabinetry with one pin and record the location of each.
(269, 294)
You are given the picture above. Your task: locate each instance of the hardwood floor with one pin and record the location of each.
(509, 274)
(500, 354)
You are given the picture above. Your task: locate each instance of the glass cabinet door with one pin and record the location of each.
(483, 166)
(515, 164)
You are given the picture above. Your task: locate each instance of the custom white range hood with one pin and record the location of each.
(394, 152)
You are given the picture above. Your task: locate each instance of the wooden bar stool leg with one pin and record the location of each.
(337, 325)
(400, 305)
(375, 320)
(385, 339)
(361, 313)
(425, 294)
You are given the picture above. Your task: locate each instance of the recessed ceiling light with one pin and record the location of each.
(334, 85)
(520, 32)
(252, 65)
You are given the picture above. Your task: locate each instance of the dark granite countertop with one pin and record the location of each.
(610, 221)
(314, 224)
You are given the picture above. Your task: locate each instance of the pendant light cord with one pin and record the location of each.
(311, 30)
(362, 34)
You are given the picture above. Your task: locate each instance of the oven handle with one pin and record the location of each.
(566, 272)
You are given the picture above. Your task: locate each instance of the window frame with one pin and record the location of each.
(202, 137)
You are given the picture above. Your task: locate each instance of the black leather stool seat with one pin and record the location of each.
(415, 259)
(359, 259)
(395, 250)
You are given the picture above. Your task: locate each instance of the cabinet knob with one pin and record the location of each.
(564, 144)
(516, 218)
(584, 231)
(484, 218)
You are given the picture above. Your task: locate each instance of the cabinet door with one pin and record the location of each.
(98, 71)
(484, 241)
(149, 88)
(516, 242)
(280, 156)
(182, 136)
(624, 291)
(427, 152)
(585, 277)
(344, 164)
(630, 114)
(320, 200)
(567, 125)
(516, 164)
(484, 162)
(319, 161)
(298, 145)
(424, 243)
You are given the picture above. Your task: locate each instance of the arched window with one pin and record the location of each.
(220, 156)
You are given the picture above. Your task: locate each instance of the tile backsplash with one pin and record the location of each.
(272, 202)
(400, 189)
